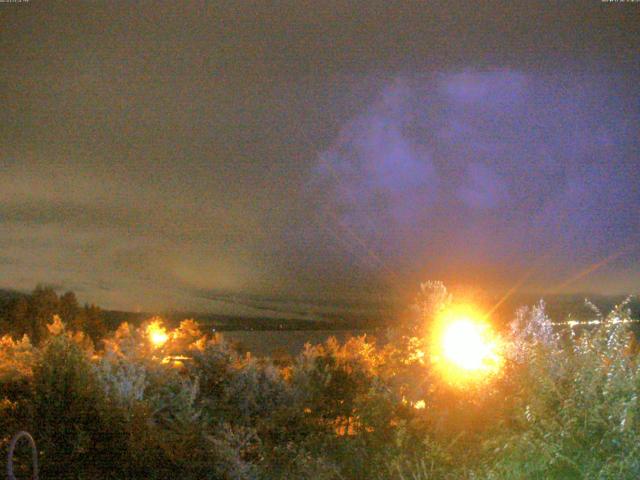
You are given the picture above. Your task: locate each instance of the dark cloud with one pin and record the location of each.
(151, 152)
(73, 214)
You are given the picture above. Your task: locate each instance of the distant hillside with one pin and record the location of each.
(309, 315)
(113, 318)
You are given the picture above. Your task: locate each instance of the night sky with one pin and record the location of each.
(154, 154)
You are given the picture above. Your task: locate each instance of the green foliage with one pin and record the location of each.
(71, 414)
(576, 414)
(330, 377)
(566, 406)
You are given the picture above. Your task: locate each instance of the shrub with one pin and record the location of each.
(576, 414)
(191, 407)
(71, 415)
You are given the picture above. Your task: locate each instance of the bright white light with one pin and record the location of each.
(157, 333)
(465, 344)
(464, 347)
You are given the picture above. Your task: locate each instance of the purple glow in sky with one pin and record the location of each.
(495, 168)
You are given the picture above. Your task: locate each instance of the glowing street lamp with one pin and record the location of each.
(464, 347)
(157, 334)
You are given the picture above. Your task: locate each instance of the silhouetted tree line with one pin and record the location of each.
(30, 313)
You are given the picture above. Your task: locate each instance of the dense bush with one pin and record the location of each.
(191, 406)
(72, 419)
(577, 411)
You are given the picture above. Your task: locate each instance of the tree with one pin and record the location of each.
(18, 316)
(91, 319)
(43, 305)
(69, 311)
